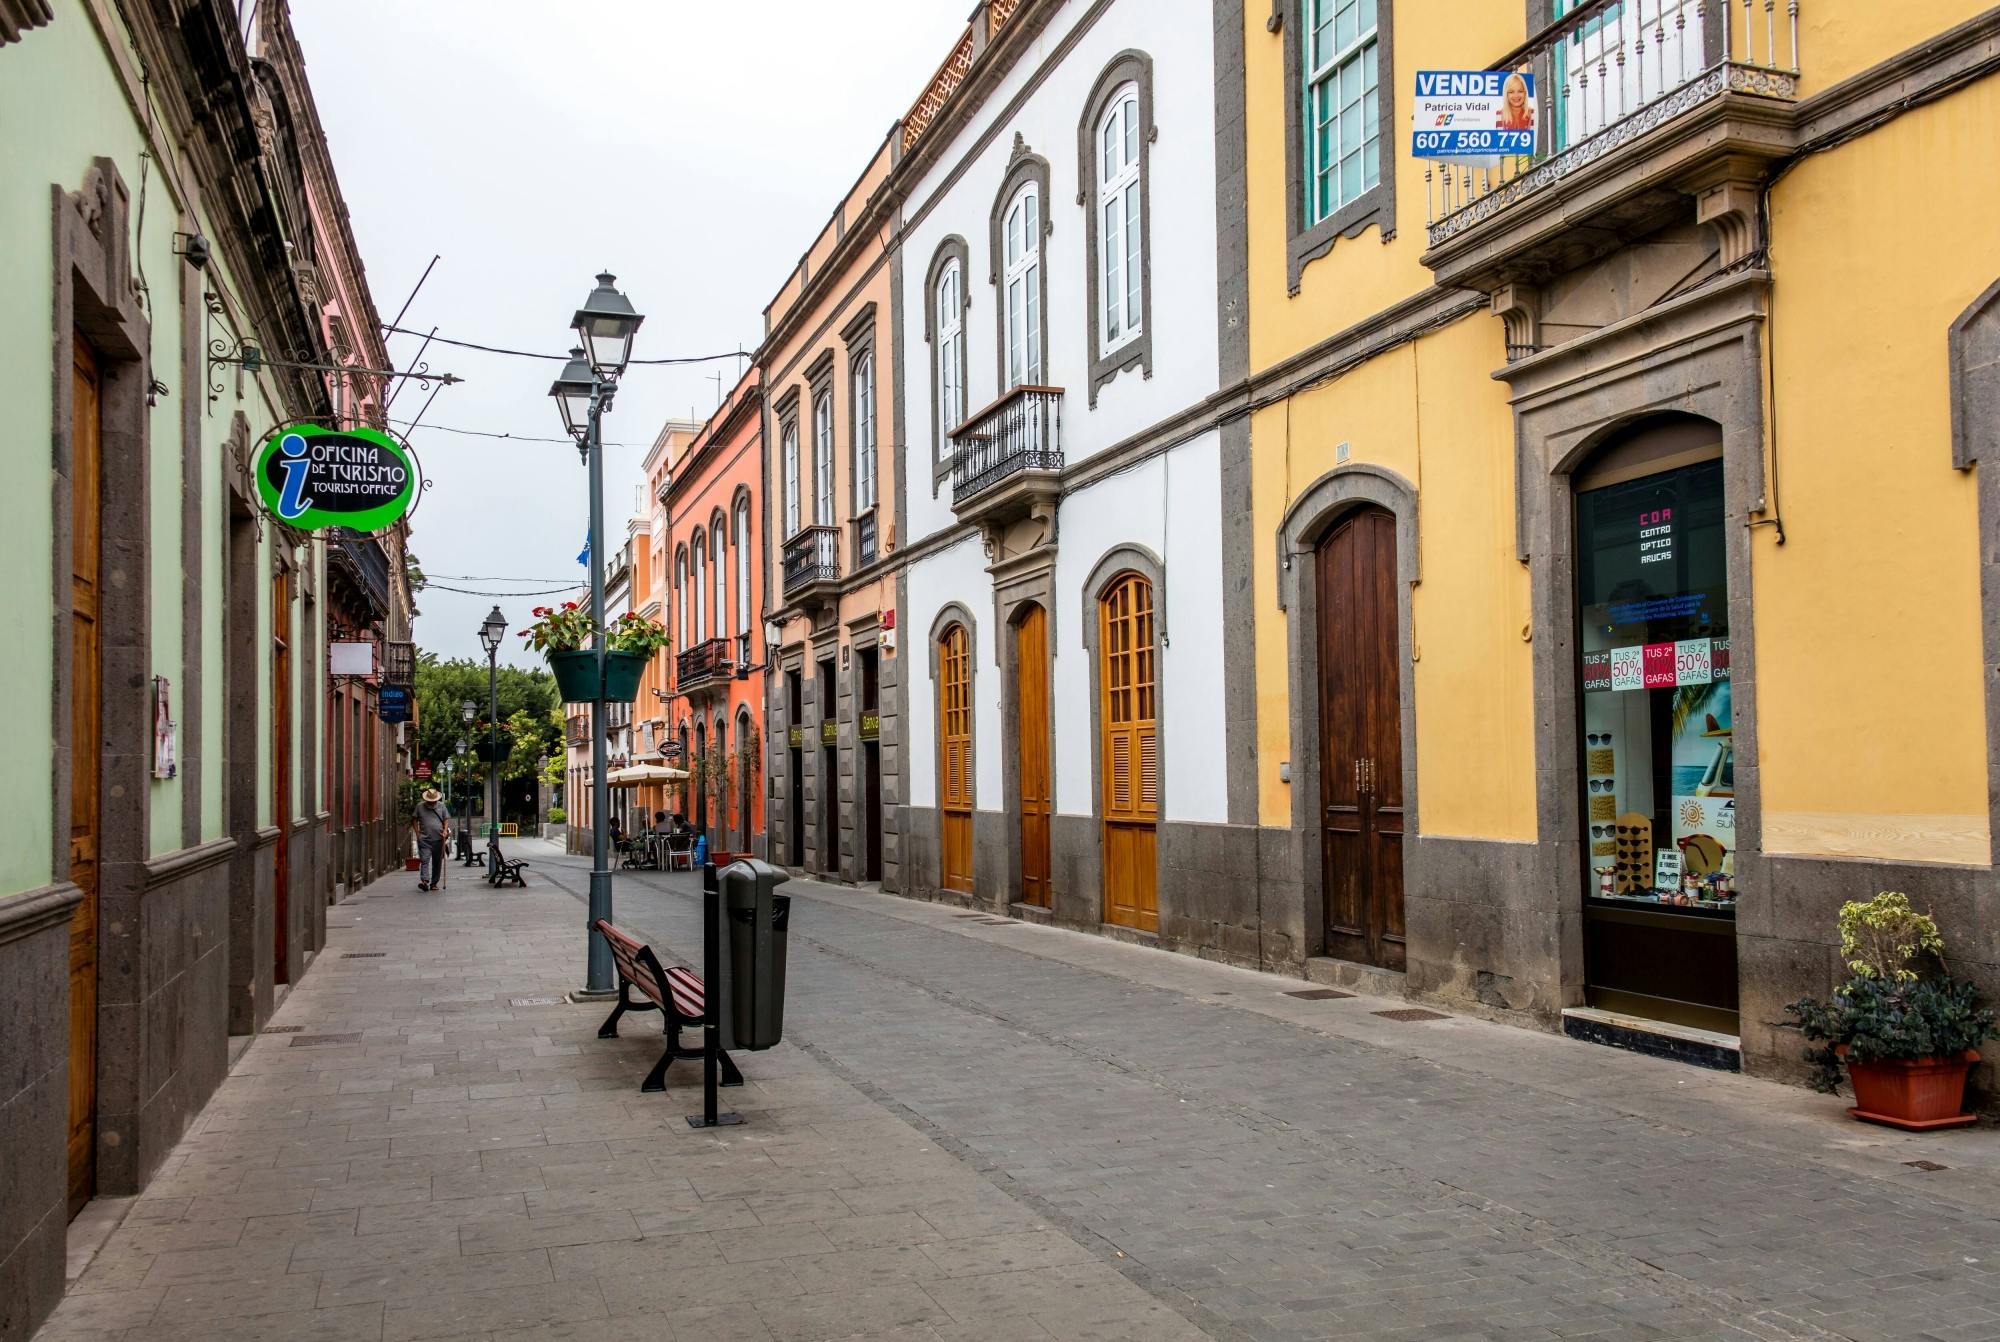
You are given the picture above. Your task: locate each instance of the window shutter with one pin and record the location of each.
(1149, 771)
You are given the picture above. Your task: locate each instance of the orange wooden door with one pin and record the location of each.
(955, 759)
(1130, 753)
(85, 743)
(281, 765)
(1361, 742)
(1031, 668)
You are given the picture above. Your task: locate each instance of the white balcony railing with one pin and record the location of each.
(1610, 71)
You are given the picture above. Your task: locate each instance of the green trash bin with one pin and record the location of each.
(756, 928)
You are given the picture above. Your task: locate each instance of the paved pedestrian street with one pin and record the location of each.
(979, 1128)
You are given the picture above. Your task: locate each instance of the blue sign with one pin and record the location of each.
(392, 703)
(1474, 113)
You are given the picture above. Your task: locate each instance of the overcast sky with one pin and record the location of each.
(693, 149)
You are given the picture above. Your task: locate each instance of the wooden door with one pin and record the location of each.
(1130, 752)
(955, 759)
(85, 745)
(1361, 741)
(1031, 669)
(281, 767)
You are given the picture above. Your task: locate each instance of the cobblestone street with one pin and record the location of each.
(984, 1129)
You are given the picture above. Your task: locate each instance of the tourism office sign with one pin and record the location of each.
(310, 476)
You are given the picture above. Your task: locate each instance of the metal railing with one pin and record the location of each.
(812, 556)
(369, 561)
(1022, 431)
(864, 541)
(706, 661)
(1608, 72)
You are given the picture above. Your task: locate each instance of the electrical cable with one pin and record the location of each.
(430, 586)
(390, 329)
(486, 433)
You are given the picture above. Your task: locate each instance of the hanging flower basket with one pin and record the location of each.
(576, 676)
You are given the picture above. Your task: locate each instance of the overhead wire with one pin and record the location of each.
(392, 329)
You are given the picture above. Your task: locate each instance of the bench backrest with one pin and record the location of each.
(635, 960)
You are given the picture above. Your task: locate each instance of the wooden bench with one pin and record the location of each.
(501, 870)
(677, 992)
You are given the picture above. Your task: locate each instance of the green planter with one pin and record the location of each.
(576, 676)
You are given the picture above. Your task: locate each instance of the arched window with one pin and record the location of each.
(864, 433)
(1120, 242)
(791, 481)
(955, 789)
(680, 595)
(950, 318)
(823, 459)
(719, 545)
(1128, 717)
(1021, 279)
(743, 563)
(698, 596)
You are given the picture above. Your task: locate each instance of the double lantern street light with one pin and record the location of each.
(467, 711)
(605, 324)
(490, 633)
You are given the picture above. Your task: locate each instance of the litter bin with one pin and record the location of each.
(755, 927)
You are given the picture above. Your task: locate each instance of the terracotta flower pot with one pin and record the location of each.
(1916, 1094)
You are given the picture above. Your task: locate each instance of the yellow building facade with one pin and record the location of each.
(1613, 514)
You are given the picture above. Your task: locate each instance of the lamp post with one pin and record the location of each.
(605, 324)
(467, 711)
(490, 634)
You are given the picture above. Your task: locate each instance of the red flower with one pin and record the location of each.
(569, 605)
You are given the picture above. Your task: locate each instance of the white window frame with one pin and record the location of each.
(790, 469)
(864, 432)
(1021, 288)
(823, 458)
(950, 300)
(699, 585)
(742, 563)
(719, 543)
(1122, 317)
(680, 596)
(1323, 192)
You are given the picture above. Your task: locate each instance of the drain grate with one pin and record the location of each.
(998, 922)
(364, 955)
(1925, 1165)
(535, 1001)
(1318, 994)
(1410, 1013)
(283, 1029)
(968, 915)
(315, 1040)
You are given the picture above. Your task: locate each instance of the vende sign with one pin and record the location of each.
(1474, 113)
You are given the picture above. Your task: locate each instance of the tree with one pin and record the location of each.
(530, 714)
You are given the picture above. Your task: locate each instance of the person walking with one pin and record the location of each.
(431, 823)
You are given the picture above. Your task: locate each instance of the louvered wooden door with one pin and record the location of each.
(1031, 665)
(955, 759)
(1130, 753)
(281, 768)
(1361, 741)
(85, 746)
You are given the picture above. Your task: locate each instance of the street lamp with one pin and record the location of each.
(604, 325)
(467, 710)
(490, 634)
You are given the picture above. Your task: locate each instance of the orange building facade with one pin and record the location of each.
(708, 528)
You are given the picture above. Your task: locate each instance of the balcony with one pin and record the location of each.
(1007, 459)
(812, 565)
(705, 666)
(1642, 105)
(365, 562)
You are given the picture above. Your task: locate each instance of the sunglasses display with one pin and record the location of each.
(1599, 738)
(1602, 784)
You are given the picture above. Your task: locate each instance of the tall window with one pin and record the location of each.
(864, 433)
(1131, 752)
(955, 788)
(680, 595)
(791, 473)
(1119, 238)
(700, 585)
(823, 458)
(950, 317)
(743, 563)
(719, 544)
(1343, 149)
(1022, 280)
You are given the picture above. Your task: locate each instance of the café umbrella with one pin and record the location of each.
(640, 774)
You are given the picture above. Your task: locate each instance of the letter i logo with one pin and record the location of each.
(291, 499)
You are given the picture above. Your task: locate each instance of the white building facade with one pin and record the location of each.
(1068, 461)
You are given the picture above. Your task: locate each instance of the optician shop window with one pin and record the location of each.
(1659, 768)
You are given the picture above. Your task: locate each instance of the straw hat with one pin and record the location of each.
(433, 796)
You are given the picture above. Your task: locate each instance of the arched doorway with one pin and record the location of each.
(746, 780)
(696, 767)
(1128, 717)
(955, 792)
(1361, 740)
(1031, 742)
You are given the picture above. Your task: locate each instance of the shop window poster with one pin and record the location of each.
(1704, 779)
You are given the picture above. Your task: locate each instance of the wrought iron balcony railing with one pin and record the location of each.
(810, 558)
(1607, 73)
(1022, 431)
(704, 663)
(864, 540)
(369, 563)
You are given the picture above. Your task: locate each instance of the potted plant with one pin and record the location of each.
(1907, 1031)
(629, 644)
(561, 632)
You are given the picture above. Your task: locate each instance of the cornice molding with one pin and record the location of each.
(37, 910)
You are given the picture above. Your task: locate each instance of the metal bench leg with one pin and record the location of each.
(656, 1080)
(609, 1030)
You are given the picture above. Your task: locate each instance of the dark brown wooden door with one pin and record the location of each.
(1361, 741)
(85, 744)
(955, 759)
(281, 767)
(1129, 753)
(1031, 665)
